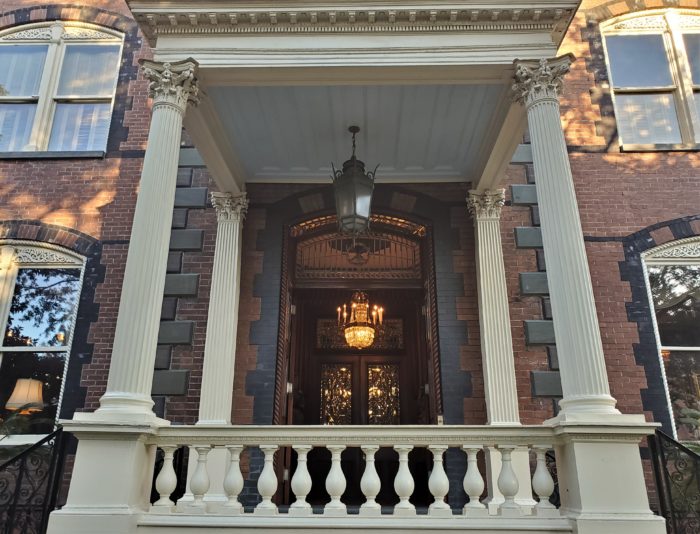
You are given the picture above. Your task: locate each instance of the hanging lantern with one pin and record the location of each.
(360, 324)
(353, 193)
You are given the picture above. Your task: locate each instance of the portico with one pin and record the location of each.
(265, 93)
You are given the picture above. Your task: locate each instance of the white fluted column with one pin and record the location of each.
(494, 318)
(584, 379)
(173, 86)
(216, 394)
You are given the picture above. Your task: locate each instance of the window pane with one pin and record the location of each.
(30, 386)
(683, 378)
(15, 126)
(42, 307)
(80, 127)
(89, 70)
(647, 119)
(20, 69)
(676, 293)
(638, 61)
(692, 48)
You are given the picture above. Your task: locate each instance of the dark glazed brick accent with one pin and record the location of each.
(174, 262)
(159, 406)
(179, 218)
(539, 332)
(163, 357)
(191, 197)
(533, 284)
(541, 265)
(535, 215)
(546, 383)
(170, 382)
(186, 239)
(527, 237)
(189, 157)
(168, 309)
(175, 332)
(181, 285)
(184, 177)
(546, 308)
(553, 357)
(523, 194)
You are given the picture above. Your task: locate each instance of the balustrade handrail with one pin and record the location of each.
(354, 435)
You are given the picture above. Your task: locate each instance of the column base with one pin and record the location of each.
(575, 405)
(123, 407)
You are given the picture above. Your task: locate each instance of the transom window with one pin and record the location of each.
(57, 86)
(674, 284)
(39, 294)
(654, 67)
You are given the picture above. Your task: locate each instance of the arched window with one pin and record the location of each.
(57, 86)
(673, 277)
(653, 63)
(40, 289)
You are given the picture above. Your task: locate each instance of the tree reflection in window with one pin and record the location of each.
(675, 290)
(42, 307)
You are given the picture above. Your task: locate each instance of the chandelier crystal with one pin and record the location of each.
(359, 325)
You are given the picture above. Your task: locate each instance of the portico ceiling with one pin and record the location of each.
(416, 132)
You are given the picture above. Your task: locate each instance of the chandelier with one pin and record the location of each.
(353, 193)
(359, 325)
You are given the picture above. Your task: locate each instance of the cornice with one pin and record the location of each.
(167, 18)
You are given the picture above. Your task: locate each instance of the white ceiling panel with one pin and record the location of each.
(415, 133)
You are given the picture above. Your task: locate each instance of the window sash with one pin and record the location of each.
(48, 98)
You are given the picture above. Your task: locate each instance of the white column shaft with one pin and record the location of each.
(494, 318)
(216, 395)
(136, 335)
(580, 349)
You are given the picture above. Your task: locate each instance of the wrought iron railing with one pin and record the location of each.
(29, 485)
(677, 474)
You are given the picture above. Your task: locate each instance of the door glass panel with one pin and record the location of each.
(336, 394)
(683, 378)
(675, 290)
(383, 393)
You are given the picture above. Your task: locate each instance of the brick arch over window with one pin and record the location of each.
(91, 249)
(639, 309)
(128, 69)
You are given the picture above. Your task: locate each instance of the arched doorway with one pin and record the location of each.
(320, 379)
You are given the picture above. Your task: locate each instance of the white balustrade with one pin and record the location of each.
(543, 484)
(335, 483)
(439, 484)
(403, 483)
(233, 482)
(166, 482)
(301, 483)
(508, 484)
(438, 440)
(267, 483)
(473, 484)
(199, 484)
(370, 484)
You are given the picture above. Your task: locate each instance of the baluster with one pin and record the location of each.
(233, 482)
(473, 484)
(508, 484)
(199, 483)
(301, 483)
(335, 483)
(267, 483)
(439, 484)
(166, 482)
(370, 483)
(543, 484)
(403, 483)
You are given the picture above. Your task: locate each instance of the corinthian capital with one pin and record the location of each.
(230, 207)
(172, 83)
(486, 204)
(540, 80)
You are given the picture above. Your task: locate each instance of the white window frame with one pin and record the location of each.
(682, 252)
(18, 254)
(671, 24)
(57, 35)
